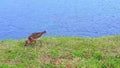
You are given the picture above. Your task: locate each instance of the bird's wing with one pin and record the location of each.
(35, 33)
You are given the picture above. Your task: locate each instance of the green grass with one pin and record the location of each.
(61, 52)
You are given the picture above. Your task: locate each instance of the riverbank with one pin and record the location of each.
(61, 52)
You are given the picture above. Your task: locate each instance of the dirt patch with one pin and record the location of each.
(11, 62)
(4, 46)
(67, 61)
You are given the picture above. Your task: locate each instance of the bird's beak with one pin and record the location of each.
(25, 45)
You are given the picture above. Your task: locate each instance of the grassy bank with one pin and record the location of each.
(61, 52)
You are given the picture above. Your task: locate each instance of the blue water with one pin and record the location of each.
(84, 18)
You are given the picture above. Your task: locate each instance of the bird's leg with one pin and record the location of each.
(40, 43)
(35, 41)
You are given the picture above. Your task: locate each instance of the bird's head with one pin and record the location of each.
(27, 42)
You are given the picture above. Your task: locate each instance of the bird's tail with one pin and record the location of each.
(40, 34)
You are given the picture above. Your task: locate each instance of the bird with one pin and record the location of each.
(33, 37)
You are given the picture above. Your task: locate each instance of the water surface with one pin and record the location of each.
(84, 18)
